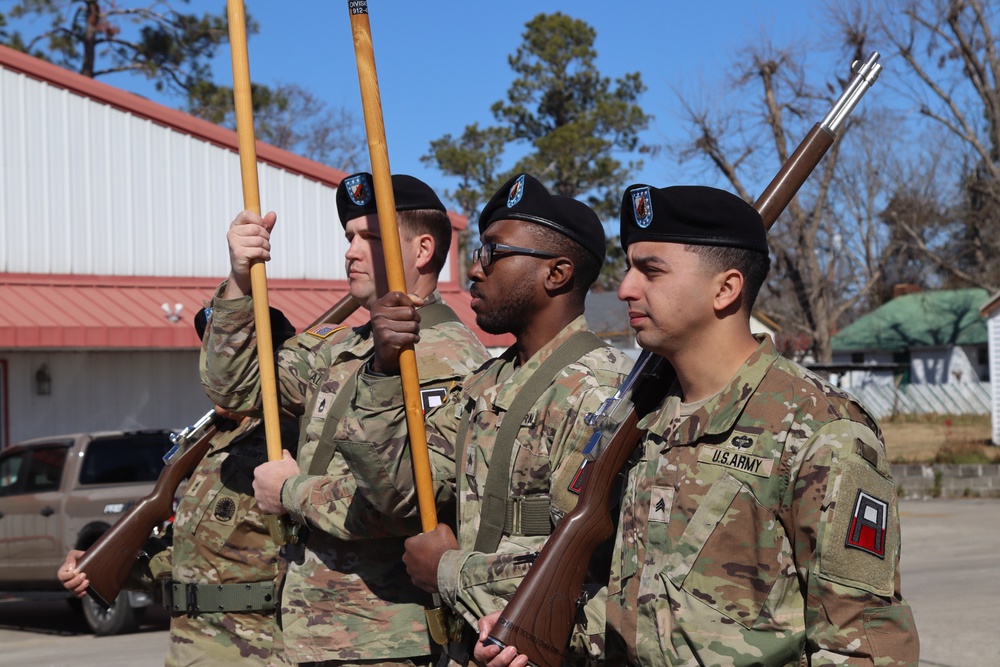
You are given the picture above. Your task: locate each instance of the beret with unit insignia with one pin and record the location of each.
(690, 214)
(525, 198)
(356, 196)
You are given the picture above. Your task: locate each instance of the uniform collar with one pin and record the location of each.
(719, 414)
(502, 394)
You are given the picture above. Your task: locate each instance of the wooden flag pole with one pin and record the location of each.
(251, 202)
(386, 202)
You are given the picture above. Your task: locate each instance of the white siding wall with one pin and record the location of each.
(993, 328)
(931, 366)
(860, 379)
(103, 391)
(90, 189)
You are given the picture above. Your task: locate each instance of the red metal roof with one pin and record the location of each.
(114, 312)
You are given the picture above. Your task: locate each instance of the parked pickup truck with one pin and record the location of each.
(62, 493)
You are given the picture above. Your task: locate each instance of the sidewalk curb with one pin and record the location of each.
(923, 480)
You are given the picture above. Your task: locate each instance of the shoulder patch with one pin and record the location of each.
(860, 542)
(432, 397)
(225, 509)
(576, 485)
(867, 529)
(325, 330)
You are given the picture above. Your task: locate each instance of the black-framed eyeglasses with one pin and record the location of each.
(486, 253)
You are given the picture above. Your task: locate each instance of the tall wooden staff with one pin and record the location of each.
(251, 202)
(386, 201)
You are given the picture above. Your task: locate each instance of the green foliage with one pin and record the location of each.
(570, 122)
(100, 37)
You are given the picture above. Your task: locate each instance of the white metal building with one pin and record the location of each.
(113, 215)
(991, 311)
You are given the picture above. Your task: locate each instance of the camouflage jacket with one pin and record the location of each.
(220, 537)
(760, 529)
(545, 460)
(346, 594)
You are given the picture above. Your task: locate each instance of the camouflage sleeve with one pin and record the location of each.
(331, 504)
(845, 527)
(480, 583)
(153, 565)
(374, 440)
(378, 453)
(229, 367)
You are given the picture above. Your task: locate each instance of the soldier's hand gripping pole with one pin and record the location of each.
(539, 618)
(258, 274)
(385, 200)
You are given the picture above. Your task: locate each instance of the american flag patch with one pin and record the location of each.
(324, 330)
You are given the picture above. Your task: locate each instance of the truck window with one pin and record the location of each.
(10, 469)
(124, 459)
(43, 468)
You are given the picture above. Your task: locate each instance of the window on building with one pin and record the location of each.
(857, 357)
(902, 361)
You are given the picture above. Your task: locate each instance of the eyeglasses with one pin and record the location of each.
(487, 253)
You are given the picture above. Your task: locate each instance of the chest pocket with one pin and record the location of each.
(729, 555)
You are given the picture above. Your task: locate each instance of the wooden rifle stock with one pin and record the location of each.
(109, 560)
(539, 618)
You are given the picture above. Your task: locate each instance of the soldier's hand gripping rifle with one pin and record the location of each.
(539, 618)
(109, 560)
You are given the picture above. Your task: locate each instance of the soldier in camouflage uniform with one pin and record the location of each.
(346, 598)
(222, 554)
(759, 522)
(540, 255)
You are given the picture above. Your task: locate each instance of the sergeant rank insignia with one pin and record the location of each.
(868, 521)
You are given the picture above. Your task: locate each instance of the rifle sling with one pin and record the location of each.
(530, 515)
(431, 316)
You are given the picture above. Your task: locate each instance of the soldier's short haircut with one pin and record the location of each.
(586, 267)
(753, 264)
(428, 221)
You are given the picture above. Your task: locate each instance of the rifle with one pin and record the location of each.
(109, 560)
(539, 618)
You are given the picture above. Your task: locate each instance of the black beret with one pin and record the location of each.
(525, 198)
(691, 214)
(281, 328)
(356, 196)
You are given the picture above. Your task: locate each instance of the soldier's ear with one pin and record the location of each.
(729, 290)
(560, 274)
(424, 246)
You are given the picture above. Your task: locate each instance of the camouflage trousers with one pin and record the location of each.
(225, 638)
(422, 661)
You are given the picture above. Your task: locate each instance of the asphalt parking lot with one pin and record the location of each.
(950, 575)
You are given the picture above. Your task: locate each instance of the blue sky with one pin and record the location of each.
(441, 64)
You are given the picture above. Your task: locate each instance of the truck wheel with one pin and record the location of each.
(118, 619)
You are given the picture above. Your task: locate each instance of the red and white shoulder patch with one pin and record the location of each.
(867, 529)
